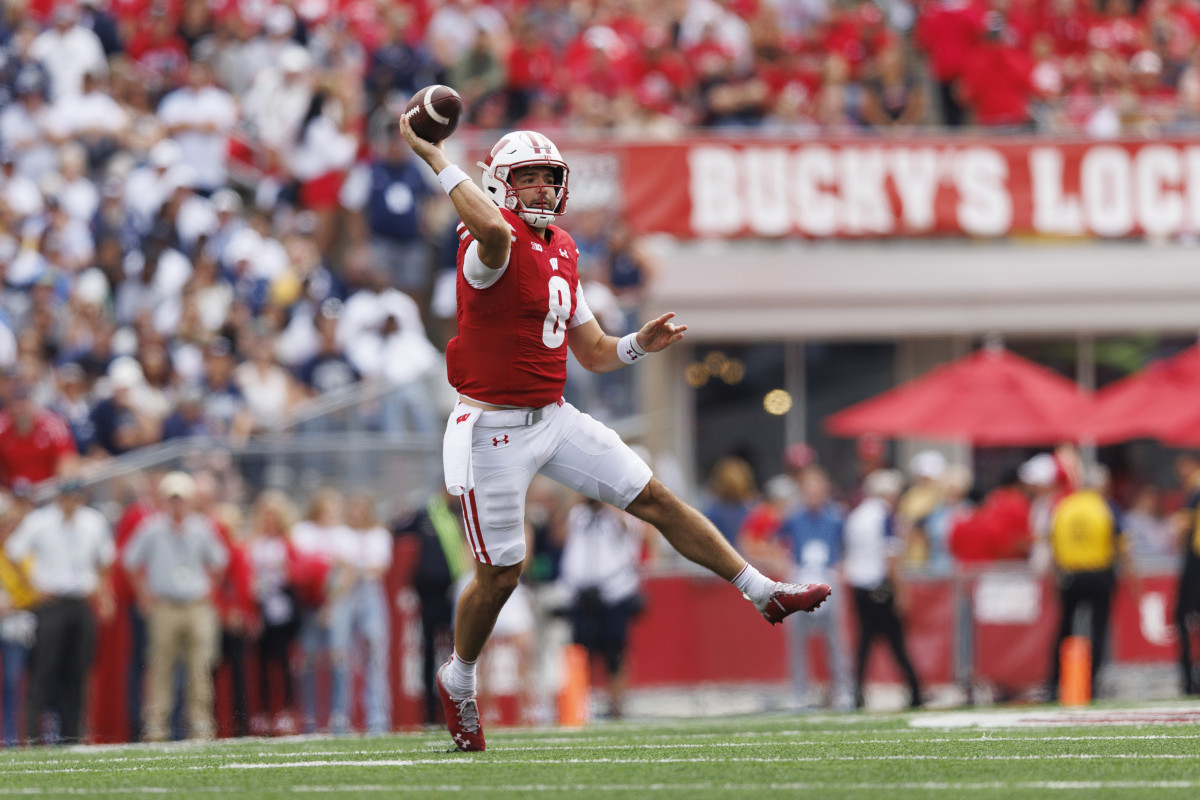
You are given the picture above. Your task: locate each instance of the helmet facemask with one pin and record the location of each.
(513, 152)
(537, 216)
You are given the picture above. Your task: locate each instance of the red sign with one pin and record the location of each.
(871, 188)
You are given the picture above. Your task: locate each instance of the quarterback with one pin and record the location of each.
(520, 306)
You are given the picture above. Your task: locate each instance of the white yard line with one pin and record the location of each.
(565, 789)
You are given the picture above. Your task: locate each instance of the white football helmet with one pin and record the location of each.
(524, 149)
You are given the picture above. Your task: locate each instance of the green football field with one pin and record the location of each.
(1151, 752)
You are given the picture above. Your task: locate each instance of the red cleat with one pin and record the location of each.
(788, 598)
(462, 718)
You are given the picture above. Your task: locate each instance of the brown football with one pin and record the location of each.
(434, 112)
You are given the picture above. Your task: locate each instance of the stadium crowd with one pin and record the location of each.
(206, 215)
(204, 199)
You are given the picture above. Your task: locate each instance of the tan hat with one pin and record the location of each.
(177, 484)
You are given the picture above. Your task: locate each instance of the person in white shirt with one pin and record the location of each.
(200, 116)
(873, 551)
(27, 127)
(72, 548)
(147, 186)
(315, 540)
(600, 565)
(92, 117)
(68, 51)
(359, 611)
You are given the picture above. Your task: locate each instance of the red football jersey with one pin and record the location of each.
(511, 347)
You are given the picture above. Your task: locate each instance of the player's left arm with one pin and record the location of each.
(596, 351)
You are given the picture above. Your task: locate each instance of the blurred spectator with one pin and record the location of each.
(1087, 540)
(28, 127)
(732, 492)
(68, 51)
(73, 405)
(92, 119)
(814, 535)
(271, 556)
(894, 96)
(315, 544)
(174, 558)
(71, 548)
(99, 20)
(1187, 602)
(398, 66)
(323, 152)
(233, 595)
(479, 73)
(924, 494)
(17, 622)
(329, 369)
(600, 566)
(999, 528)
(158, 51)
(35, 444)
(382, 332)
(358, 611)
(143, 505)
(200, 116)
(122, 421)
(955, 507)
(997, 79)
(441, 559)
(1147, 534)
(948, 31)
(391, 193)
(871, 565)
(454, 27)
(760, 536)
(268, 390)
(225, 406)
(630, 268)
(531, 69)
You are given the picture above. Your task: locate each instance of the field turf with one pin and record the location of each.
(1147, 753)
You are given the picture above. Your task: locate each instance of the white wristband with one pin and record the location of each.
(452, 176)
(628, 349)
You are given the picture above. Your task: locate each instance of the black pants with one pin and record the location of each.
(1187, 607)
(62, 654)
(274, 648)
(437, 622)
(233, 651)
(953, 114)
(877, 618)
(1075, 589)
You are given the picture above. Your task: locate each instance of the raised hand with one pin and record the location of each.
(427, 151)
(659, 334)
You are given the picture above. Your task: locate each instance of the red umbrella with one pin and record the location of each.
(1161, 401)
(991, 397)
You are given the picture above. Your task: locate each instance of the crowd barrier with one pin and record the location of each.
(695, 631)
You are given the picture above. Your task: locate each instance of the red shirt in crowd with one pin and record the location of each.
(234, 592)
(997, 84)
(34, 456)
(998, 529)
(948, 30)
(135, 513)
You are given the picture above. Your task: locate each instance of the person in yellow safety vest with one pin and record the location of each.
(1187, 604)
(1086, 542)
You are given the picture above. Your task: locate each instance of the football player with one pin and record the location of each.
(520, 306)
